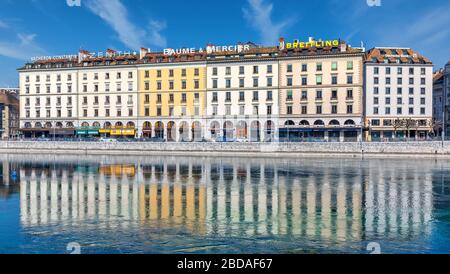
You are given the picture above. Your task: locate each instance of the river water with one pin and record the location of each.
(223, 205)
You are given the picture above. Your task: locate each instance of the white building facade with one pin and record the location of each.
(242, 95)
(399, 94)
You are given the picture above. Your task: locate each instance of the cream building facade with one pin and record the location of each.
(242, 97)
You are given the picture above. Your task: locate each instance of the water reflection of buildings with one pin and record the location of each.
(338, 202)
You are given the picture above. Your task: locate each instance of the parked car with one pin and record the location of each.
(108, 140)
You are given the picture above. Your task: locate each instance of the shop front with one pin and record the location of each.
(87, 132)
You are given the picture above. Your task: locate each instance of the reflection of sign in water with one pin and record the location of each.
(118, 170)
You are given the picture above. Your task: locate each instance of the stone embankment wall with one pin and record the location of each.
(414, 149)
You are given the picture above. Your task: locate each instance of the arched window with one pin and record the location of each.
(349, 123)
(334, 123)
(319, 123)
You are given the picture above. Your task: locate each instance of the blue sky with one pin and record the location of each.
(50, 27)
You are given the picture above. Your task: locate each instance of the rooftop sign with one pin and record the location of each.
(208, 50)
(310, 44)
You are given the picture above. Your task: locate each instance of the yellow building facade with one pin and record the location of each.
(172, 99)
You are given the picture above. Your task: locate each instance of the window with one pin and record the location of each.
(289, 95)
(196, 84)
(411, 111)
(388, 80)
(119, 75)
(334, 95)
(147, 112)
(171, 73)
(158, 85)
(376, 70)
(388, 91)
(289, 68)
(106, 76)
(350, 79)
(171, 85)
(214, 99)
(107, 112)
(289, 109)
(376, 90)
(387, 111)
(334, 79)
(196, 72)
(255, 110)
(375, 110)
(289, 81)
(304, 67)
(183, 98)
(399, 101)
(147, 74)
(58, 78)
(269, 95)
(228, 71)
(388, 100)
(422, 101)
(214, 72)
(159, 73)
(411, 71)
(399, 81)
(158, 111)
(422, 91)
(349, 94)
(333, 109)
(85, 113)
(422, 111)
(183, 84)
(214, 83)
(399, 90)
(147, 86)
(304, 110)
(227, 110)
(318, 79)
(375, 101)
(318, 109)
(119, 113)
(228, 97)
(159, 98)
(241, 82)
(349, 65)
(241, 70)
(334, 66)
(319, 67)
(269, 110)
(349, 109)
(304, 94)
(269, 69)
(422, 81)
(269, 81)
(255, 69)
(399, 71)
(411, 91)
(241, 96)
(95, 112)
(183, 72)
(95, 76)
(228, 83)
(422, 71)
(304, 81)
(319, 94)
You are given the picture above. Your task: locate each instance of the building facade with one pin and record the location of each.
(172, 97)
(300, 91)
(321, 93)
(399, 88)
(83, 96)
(9, 114)
(242, 97)
(441, 97)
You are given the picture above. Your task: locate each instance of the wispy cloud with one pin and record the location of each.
(115, 14)
(259, 15)
(23, 48)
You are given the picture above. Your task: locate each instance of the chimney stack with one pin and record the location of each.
(143, 52)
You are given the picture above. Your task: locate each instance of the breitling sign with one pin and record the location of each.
(310, 44)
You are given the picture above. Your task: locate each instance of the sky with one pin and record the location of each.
(31, 28)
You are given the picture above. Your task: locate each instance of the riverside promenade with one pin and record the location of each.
(356, 149)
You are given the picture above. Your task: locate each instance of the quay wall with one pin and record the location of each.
(356, 149)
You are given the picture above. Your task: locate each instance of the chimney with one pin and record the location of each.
(110, 53)
(143, 52)
(82, 54)
(282, 43)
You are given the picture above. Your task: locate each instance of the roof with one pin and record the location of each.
(395, 55)
(8, 98)
(438, 75)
